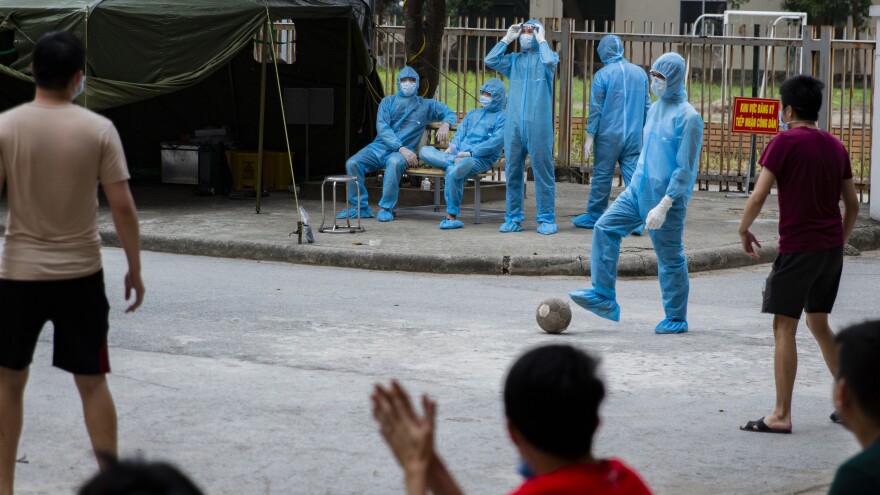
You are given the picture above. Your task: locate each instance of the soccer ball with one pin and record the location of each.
(553, 315)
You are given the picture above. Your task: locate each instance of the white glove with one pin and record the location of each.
(451, 149)
(512, 33)
(411, 157)
(657, 215)
(443, 132)
(464, 154)
(539, 34)
(588, 144)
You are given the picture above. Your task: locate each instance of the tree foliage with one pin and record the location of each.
(455, 8)
(831, 12)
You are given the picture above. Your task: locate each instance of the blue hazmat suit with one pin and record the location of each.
(667, 166)
(481, 133)
(400, 121)
(529, 128)
(619, 100)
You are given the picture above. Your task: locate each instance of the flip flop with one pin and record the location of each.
(760, 426)
(834, 418)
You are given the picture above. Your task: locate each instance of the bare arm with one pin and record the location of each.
(850, 205)
(440, 480)
(752, 209)
(125, 219)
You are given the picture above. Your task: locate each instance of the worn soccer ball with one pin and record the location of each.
(553, 315)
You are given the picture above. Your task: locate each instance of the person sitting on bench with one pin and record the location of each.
(475, 147)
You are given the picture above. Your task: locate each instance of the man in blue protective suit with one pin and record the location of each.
(529, 128)
(475, 147)
(619, 100)
(657, 196)
(400, 123)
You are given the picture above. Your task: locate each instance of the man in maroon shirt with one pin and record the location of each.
(551, 400)
(811, 170)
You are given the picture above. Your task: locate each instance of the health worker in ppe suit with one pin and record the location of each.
(475, 147)
(619, 100)
(400, 124)
(529, 128)
(657, 196)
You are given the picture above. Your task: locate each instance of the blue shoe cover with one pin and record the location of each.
(448, 224)
(639, 231)
(672, 325)
(385, 216)
(353, 213)
(547, 228)
(585, 221)
(596, 303)
(510, 227)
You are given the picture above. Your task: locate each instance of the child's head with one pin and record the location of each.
(857, 389)
(804, 95)
(552, 397)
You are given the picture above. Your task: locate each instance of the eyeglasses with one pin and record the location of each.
(528, 29)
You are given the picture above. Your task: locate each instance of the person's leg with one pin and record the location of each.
(617, 221)
(99, 413)
(395, 164)
(541, 154)
(604, 159)
(628, 162)
(12, 385)
(436, 158)
(672, 270)
(784, 371)
(363, 162)
(513, 173)
(818, 325)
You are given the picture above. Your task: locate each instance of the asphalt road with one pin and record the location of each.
(254, 378)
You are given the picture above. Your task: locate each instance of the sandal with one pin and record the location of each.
(759, 426)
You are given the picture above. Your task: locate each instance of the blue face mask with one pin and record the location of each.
(782, 125)
(485, 100)
(526, 40)
(408, 88)
(80, 88)
(525, 470)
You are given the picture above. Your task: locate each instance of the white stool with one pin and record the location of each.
(347, 228)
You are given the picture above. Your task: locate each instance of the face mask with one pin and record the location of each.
(782, 125)
(80, 88)
(485, 100)
(658, 87)
(408, 88)
(525, 470)
(526, 40)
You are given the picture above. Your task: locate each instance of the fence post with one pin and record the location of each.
(563, 156)
(823, 69)
(875, 125)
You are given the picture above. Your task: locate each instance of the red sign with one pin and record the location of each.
(755, 115)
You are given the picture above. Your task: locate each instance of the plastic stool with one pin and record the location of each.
(340, 229)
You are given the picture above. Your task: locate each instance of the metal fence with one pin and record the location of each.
(745, 58)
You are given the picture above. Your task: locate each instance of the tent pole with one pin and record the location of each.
(259, 184)
(347, 90)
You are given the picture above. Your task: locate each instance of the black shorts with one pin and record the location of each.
(77, 308)
(803, 282)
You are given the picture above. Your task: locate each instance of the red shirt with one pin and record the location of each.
(810, 166)
(611, 477)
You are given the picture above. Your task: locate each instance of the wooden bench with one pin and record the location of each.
(438, 176)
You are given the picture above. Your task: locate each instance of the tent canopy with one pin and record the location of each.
(138, 49)
(162, 68)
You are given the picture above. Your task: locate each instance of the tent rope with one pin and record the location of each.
(281, 99)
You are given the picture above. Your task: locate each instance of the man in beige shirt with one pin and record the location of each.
(53, 155)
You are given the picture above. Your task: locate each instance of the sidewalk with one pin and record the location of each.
(174, 220)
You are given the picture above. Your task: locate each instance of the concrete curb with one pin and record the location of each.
(631, 264)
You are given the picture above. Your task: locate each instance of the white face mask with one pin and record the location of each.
(782, 125)
(526, 40)
(658, 87)
(80, 88)
(485, 100)
(408, 88)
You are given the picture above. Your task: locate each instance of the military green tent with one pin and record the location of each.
(162, 68)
